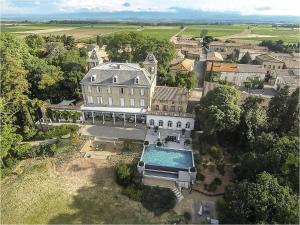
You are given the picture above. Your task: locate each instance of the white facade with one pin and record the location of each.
(170, 122)
(238, 78)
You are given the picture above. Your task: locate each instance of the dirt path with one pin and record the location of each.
(47, 30)
(174, 36)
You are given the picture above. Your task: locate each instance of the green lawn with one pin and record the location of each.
(214, 30)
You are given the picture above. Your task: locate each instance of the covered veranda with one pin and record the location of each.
(115, 116)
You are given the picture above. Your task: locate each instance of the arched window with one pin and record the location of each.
(115, 79)
(151, 122)
(178, 125)
(169, 123)
(160, 123)
(188, 125)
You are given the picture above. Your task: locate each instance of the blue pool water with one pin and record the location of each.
(157, 156)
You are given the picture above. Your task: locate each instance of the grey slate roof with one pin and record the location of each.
(268, 58)
(247, 68)
(125, 72)
(165, 93)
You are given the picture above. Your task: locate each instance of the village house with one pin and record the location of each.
(236, 74)
(169, 109)
(286, 77)
(252, 52)
(219, 46)
(269, 62)
(185, 66)
(185, 42)
(291, 61)
(214, 56)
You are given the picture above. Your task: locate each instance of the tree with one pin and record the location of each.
(191, 80)
(273, 154)
(219, 109)
(263, 201)
(253, 118)
(203, 33)
(283, 112)
(35, 41)
(246, 59)
(212, 76)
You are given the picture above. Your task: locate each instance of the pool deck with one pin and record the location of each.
(152, 137)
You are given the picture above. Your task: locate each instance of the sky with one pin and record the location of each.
(243, 7)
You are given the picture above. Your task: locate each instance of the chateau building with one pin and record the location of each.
(127, 92)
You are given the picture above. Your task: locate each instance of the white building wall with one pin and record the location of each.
(174, 120)
(239, 78)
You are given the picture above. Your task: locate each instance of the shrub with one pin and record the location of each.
(217, 181)
(23, 151)
(197, 158)
(141, 163)
(124, 174)
(159, 143)
(133, 192)
(74, 138)
(57, 131)
(221, 169)
(129, 146)
(187, 217)
(146, 143)
(52, 149)
(211, 168)
(158, 200)
(11, 162)
(200, 177)
(216, 152)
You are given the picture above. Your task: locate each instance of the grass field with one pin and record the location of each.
(214, 30)
(285, 34)
(162, 32)
(68, 190)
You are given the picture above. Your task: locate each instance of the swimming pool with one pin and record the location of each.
(167, 158)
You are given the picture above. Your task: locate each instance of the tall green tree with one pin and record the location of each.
(246, 59)
(219, 110)
(283, 112)
(264, 201)
(253, 118)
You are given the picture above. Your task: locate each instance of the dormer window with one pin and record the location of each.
(137, 80)
(93, 78)
(115, 79)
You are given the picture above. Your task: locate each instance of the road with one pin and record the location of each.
(199, 68)
(114, 132)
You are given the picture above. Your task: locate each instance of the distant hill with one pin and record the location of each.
(178, 15)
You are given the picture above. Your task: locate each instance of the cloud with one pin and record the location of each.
(263, 8)
(126, 4)
(244, 7)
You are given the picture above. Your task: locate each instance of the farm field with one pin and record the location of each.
(84, 32)
(285, 34)
(162, 32)
(214, 30)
